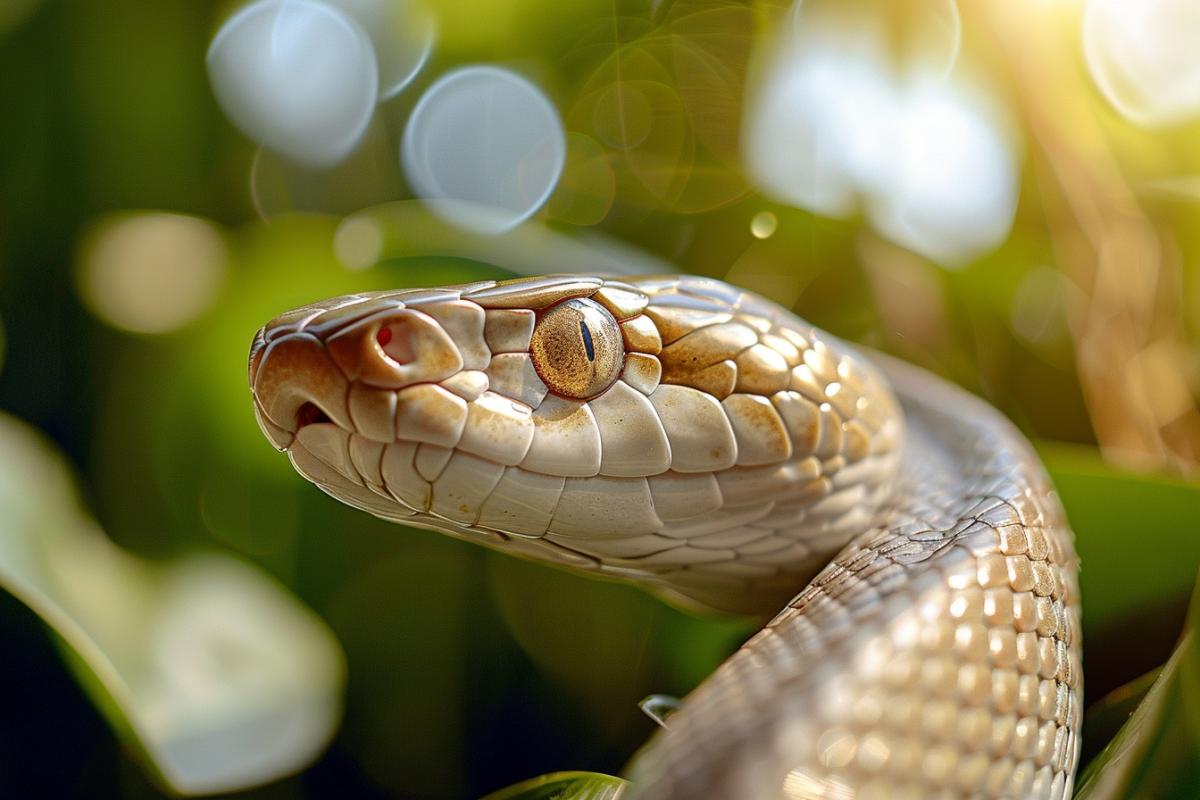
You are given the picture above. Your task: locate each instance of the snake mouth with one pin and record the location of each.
(310, 413)
(285, 434)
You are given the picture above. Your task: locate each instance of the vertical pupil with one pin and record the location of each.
(587, 340)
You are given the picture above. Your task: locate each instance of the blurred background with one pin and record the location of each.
(1005, 193)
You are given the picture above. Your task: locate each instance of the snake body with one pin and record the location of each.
(709, 445)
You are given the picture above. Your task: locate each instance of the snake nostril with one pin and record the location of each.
(395, 339)
(310, 414)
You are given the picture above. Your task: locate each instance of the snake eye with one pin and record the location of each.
(577, 349)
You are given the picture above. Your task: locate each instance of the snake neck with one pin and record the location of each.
(938, 655)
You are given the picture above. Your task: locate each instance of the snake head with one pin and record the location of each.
(675, 431)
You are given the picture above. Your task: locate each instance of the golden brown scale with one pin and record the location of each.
(641, 335)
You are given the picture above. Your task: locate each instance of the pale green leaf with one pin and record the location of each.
(207, 668)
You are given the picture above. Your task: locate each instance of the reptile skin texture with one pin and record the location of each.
(693, 438)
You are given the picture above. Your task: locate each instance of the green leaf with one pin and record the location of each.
(564, 786)
(1157, 752)
(213, 673)
(1104, 718)
(1136, 537)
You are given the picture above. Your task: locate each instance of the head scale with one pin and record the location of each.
(675, 431)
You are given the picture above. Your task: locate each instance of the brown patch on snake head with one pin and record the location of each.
(395, 349)
(622, 300)
(717, 380)
(296, 370)
(641, 335)
(761, 370)
(762, 437)
(674, 323)
(707, 346)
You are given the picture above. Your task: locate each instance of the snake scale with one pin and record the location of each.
(707, 444)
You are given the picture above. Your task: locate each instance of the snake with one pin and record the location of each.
(899, 534)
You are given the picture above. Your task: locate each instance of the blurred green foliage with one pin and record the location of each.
(469, 671)
(1155, 752)
(214, 676)
(563, 786)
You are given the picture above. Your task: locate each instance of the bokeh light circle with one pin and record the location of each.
(623, 115)
(763, 225)
(153, 272)
(402, 32)
(297, 76)
(358, 242)
(1143, 57)
(484, 148)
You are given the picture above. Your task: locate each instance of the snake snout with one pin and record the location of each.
(345, 368)
(296, 384)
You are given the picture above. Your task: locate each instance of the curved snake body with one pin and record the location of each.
(696, 439)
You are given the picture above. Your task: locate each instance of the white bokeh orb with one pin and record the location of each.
(297, 76)
(834, 126)
(930, 41)
(792, 152)
(1144, 56)
(484, 148)
(951, 185)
